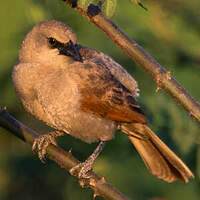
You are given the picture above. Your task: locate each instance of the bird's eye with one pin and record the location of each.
(52, 42)
(55, 44)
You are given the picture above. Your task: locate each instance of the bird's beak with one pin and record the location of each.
(70, 49)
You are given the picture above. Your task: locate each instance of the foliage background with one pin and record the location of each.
(169, 31)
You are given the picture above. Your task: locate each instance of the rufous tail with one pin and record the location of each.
(159, 159)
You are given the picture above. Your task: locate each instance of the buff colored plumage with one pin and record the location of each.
(84, 93)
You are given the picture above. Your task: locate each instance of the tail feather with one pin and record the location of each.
(159, 159)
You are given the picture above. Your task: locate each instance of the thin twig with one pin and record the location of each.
(62, 158)
(163, 78)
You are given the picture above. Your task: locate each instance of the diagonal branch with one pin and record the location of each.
(162, 77)
(62, 158)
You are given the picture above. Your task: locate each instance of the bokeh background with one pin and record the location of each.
(170, 32)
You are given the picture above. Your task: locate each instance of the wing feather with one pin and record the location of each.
(103, 95)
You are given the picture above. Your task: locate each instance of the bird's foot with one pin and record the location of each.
(83, 168)
(41, 143)
(86, 167)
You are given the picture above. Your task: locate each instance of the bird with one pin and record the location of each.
(83, 92)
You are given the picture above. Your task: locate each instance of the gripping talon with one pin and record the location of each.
(84, 167)
(41, 143)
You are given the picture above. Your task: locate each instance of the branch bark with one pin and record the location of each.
(63, 159)
(162, 77)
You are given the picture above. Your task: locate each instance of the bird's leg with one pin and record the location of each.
(86, 166)
(41, 143)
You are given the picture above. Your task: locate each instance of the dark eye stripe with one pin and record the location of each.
(55, 44)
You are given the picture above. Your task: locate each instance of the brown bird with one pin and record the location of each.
(84, 93)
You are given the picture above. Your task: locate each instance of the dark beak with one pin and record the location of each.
(72, 50)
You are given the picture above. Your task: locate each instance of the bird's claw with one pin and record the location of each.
(41, 143)
(83, 168)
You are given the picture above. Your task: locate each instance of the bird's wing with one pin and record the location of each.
(115, 68)
(103, 95)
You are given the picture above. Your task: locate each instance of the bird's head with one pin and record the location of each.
(50, 42)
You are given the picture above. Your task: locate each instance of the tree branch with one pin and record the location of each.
(62, 158)
(162, 77)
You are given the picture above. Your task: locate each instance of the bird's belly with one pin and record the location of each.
(64, 113)
(61, 106)
(85, 126)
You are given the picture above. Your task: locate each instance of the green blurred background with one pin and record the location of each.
(170, 32)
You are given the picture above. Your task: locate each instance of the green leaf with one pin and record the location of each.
(84, 3)
(108, 7)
